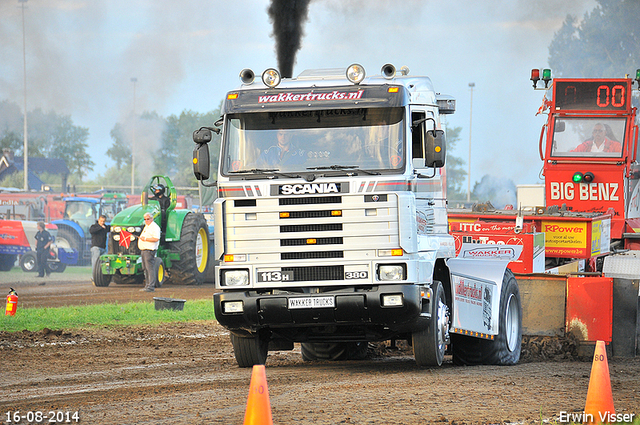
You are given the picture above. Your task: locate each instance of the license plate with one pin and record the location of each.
(311, 302)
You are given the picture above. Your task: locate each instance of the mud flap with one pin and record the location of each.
(476, 284)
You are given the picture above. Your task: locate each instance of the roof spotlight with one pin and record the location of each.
(247, 76)
(355, 73)
(271, 78)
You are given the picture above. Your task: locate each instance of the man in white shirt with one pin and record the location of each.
(148, 244)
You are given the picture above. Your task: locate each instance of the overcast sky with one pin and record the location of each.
(82, 54)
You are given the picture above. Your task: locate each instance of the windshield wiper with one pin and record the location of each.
(344, 168)
(275, 171)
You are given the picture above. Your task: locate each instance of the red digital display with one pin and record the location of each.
(603, 95)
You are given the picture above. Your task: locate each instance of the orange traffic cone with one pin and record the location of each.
(599, 407)
(258, 405)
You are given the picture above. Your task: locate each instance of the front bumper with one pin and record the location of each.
(357, 314)
(125, 264)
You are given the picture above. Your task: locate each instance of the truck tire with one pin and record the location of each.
(100, 279)
(430, 344)
(505, 349)
(161, 273)
(193, 248)
(7, 261)
(250, 351)
(319, 351)
(29, 262)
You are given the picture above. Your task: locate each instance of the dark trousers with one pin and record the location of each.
(148, 258)
(41, 257)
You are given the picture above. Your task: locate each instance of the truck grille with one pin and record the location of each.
(308, 235)
(310, 255)
(312, 200)
(303, 242)
(311, 228)
(301, 274)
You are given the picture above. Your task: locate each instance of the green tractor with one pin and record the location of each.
(183, 253)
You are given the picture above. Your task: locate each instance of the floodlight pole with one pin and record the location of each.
(471, 86)
(134, 80)
(26, 138)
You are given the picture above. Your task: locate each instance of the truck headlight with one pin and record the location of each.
(391, 272)
(116, 229)
(235, 278)
(116, 238)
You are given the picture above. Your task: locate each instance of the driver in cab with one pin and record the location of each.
(599, 142)
(283, 153)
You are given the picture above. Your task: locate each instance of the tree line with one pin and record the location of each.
(52, 135)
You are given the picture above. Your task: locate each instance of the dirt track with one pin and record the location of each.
(186, 374)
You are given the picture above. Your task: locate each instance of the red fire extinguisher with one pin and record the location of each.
(12, 303)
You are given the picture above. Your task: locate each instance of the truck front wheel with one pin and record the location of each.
(250, 351)
(505, 348)
(430, 344)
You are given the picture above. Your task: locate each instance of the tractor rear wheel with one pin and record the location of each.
(69, 239)
(193, 248)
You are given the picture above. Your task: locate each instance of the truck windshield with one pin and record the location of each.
(588, 137)
(299, 141)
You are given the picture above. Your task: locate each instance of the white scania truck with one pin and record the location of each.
(331, 224)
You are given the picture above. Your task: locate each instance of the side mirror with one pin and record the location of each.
(201, 161)
(203, 135)
(435, 148)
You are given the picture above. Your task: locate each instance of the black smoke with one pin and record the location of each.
(288, 17)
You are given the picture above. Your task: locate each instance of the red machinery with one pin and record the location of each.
(592, 197)
(590, 210)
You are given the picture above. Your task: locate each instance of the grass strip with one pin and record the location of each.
(96, 315)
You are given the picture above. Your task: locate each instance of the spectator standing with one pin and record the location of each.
(148, 244)
(98, 232)
(43, 242)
